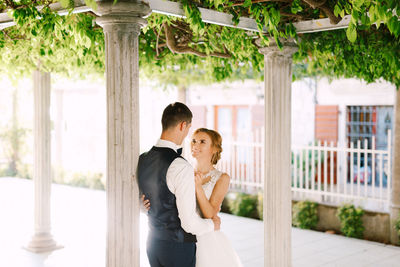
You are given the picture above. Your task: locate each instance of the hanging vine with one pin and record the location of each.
(172, 48)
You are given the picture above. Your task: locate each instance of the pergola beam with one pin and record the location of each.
(319, 25)
(80, 7)
(208, 16)
(224, 19)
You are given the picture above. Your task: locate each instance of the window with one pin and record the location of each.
(234, 124)
(363, 122)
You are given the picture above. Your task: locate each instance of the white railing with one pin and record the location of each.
(324, 172)
(244, 161)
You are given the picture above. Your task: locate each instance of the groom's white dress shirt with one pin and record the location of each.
(180, 181)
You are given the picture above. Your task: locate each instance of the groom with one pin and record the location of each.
(167, 180)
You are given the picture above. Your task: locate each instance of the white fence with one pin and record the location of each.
(244, 162)
(322, 172)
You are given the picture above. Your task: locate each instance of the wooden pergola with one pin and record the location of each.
(122, 24)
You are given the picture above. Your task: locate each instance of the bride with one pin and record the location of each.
(213, 248)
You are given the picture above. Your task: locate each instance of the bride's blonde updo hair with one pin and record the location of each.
(216, 143)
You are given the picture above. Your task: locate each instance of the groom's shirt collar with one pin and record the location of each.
(166, 143)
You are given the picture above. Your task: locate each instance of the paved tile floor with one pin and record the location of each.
(78, 219)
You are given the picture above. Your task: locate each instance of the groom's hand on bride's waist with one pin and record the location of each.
(217, 222)
(144, 204)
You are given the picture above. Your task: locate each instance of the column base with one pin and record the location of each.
(42, 243)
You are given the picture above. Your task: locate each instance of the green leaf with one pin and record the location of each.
(381, 12)
(357, 4)
(337, 11)
(296, 7)
(351, 33)
(392, 24)
(371, 13)
(92, 4)
(64, 3)
(247, 3)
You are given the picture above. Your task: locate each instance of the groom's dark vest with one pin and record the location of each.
(164, 222)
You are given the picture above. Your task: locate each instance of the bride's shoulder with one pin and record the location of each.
(224, 176)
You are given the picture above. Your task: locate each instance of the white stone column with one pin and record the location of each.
(42, 240)
(121, 23)
(59, 129)
(182, 94)
(395, 194)
(277, 181)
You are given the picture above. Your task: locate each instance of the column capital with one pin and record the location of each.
(127, 15)
(289, 48)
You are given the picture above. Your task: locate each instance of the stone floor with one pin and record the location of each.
(78, 218)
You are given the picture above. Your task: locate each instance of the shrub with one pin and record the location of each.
(397, 227)
(89, 180)
(226, 206)
(25, 170)
(245, 205)
(93, 180)
(14, 147)
(305, 215)
(260, 205)
(351, 220)
(6, 172)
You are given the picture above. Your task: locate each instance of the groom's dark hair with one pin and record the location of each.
(175, 113)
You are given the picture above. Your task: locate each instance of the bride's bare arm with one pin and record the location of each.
(210, 208)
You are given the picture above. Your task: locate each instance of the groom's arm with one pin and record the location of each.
(180, 181)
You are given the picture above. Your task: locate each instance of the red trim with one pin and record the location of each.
(374, 120)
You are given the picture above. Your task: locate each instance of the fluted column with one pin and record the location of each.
(42, 240)
(277, 184)
(121, 23)
(182, 94)
(59, 131)
(395, 194)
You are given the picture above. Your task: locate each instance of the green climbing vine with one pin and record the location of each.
(374, 55)
(72, 44)
(186, 50)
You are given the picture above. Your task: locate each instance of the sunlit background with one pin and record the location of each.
(236, 110)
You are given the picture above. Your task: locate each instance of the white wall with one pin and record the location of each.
(354, 92)
(83, 123)
(247, 92)
(84, 138)
(251, 92)
(153, 100)
(303, 111)
(24, 113)
(78, 114)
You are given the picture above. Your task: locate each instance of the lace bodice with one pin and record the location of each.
(209, 186)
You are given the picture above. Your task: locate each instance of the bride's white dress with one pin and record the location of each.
(214, 249)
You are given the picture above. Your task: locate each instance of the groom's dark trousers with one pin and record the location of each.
(168, 245)
(162, 253)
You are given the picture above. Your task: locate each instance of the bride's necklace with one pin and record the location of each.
(206, 180)
(208, 177)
